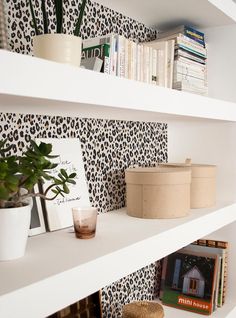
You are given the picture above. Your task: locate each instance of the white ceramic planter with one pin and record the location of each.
(62, 48)
(14, 229)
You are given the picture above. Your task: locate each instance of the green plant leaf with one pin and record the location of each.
(72, 175)
(59, 14)
(4, 193)
(80, 18)
(45, 20)
(71, 181)
(64, 173)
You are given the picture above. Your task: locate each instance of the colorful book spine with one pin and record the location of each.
(101, 51)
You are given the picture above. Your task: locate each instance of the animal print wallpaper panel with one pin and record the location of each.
(98, 20)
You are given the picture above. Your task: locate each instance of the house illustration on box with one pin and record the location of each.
(193, 280)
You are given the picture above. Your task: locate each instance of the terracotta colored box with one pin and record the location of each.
(203, 183)
(158, 192)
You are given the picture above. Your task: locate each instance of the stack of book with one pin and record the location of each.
(3, 33)
(189, 71)
(177, 59)
(194, 278)
(128, 59)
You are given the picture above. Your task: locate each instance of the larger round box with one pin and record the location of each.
(143, 309)
(203, 184)
(158, 192)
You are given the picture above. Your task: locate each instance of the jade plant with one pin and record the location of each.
(58, 4)
(20, 173)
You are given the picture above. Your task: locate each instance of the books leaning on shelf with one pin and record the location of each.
(177, 59)
(128, 59)
(194, 278)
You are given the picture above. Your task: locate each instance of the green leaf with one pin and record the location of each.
(66, 189)
(71, 181)
(59, 14)
(80, 18)
(45, 20)
(4, 193)
(63, 172)
(72, 175)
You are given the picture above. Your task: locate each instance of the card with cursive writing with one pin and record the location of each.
(59, 214)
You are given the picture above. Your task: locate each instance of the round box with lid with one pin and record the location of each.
(143, 309)
(158, 192)
(203, 183)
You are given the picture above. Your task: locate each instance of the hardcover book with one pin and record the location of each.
(189, 281)
(102, 51)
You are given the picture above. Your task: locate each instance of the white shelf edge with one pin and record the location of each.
(36, 79)
(122, 245)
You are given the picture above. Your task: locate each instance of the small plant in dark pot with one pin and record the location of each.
(18, 176)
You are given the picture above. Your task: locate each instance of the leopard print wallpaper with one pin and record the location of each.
(98, 20)
(108, 146)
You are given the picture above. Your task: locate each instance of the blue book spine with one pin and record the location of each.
(194, 34)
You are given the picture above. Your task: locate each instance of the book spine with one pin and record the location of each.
(126, 58)
(194, 34)
(161, 68)
(121, 56)
(154, 67)
(146, 64)
(170, 62)
(141, 63)
(138, 63)
(191, 50)
(185, 42)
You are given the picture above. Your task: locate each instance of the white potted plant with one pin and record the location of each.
(59, 47)
(18, 176)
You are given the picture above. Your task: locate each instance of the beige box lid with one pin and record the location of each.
(198, 170)
(157, 175)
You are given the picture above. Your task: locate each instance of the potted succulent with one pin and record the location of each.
(59, 47)
(18, 176)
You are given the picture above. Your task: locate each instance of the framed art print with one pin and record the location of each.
(59, 211)
(37, 224)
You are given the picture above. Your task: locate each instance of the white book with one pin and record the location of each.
(126, 58)
(133, 60)
(154, 67)
(146, 64)
(120, 42)
(141, 63)
(170, 62)
(138, 62)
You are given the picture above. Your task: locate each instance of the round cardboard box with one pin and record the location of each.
(158, 192)
(203, 184)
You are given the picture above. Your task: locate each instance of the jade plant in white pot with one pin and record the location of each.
(18, 176)
(59, 46)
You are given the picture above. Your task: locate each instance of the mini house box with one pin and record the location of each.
(158, 192)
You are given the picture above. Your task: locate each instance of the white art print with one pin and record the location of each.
(59, 211)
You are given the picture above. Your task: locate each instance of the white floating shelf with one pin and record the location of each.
(59, 269)
(32, 85)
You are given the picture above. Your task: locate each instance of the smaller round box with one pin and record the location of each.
(158, 192)
(203, 184)
(143, 309)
